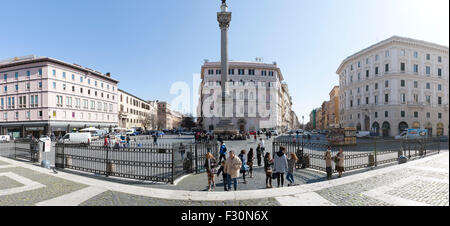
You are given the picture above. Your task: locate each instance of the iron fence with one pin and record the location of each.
(366, 154)
(149, 162)
(20, 149)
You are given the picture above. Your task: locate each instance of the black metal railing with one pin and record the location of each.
(20, 149)
(150, 162)
(366, 154)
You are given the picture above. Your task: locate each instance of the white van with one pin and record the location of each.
(361, 134)
(77, 138)
(5, 138)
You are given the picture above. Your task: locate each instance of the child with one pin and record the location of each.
(224, 175)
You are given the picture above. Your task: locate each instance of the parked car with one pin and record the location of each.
(274, 133)
(314, 132)
(361, 134)
(252, 132)
(44, 138)
(76, 138)
(412, 134)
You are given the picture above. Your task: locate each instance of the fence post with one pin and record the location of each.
(196, 158)
(375, 150)
(173, 164)
(107, 163)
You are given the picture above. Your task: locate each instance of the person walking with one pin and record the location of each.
(328, 165)
(280, 166)
(224, 175)
(261, 142)
(244, 167)
(268, 162)
(259, 154)
(182, 151)
(291, 166)
(232, 167)
(128, 140)
(210, 165)
(250, 158)
(222, 152)
(340, 162)
(155, 139)
(106, 142)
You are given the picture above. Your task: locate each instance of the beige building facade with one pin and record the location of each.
(136, 113)
(396, 84)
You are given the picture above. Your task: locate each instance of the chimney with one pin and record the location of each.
(108, 74)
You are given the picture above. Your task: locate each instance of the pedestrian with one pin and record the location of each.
(210, 165)
(280, 166)
(155, 139)
(224, 175)
(182, 151)
(250, 158)
(128, 140)
(244, 167)
(328, 163)
(232, 167)
(255, 137)
(340, 162)
(259, 154)
(261, 142)
(268, 162)
(105, 142)
(223, 152)
(291, 166)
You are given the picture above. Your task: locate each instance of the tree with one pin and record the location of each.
(149, 121)
(188, 122)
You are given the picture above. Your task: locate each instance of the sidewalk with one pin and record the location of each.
(420, 182)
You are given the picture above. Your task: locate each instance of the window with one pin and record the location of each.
(218, 72)
(376, 114)
(386, 83)
(402, 114)
(428, 85)
(439, 87)
(6, 88)
(73, 88)
(416, 114)
(428, 56)
(386, 67)
(386, 114)
(386, 98)
(376, 70)
(416, 84)
(54, 85)
(428, 99)
(439, 72)
(359, 64)
(376, 57)
(17, 75)
(376, 86)
(416, 68)
(5, 76)
(402, 52)
(367, 100)
(387, 53)
(367, 88)
(439, 115)
(64, 86)
(428, 70)
(402, 83)
(351, 103)
(439, 59)
(367, 60)
(81, 79)
(416, 54)
(64, 75)
(271, 73)
(17, 87)
(54, 72)
(73, 77)
(439, 100)
(376, 99)
(416, 98)
(367, 73)
(28, 74)
(403, 98)
(402, 67)
(359, 101)
(428, 115)
(251, 72)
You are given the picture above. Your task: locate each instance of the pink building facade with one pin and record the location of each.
(41, 95)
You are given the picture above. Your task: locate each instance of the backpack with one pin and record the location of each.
(223, 150)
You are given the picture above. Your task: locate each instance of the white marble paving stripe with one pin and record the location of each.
(27, 184)
(74, 198)
(432, 169)
(211, 196)
(304, 199)
(6, 166)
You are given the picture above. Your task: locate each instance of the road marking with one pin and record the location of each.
(304, 199)
(74, 198)
(27, 184)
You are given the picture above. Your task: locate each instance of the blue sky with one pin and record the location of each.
(149, 44)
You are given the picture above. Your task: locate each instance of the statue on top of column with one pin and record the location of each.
(224, 2)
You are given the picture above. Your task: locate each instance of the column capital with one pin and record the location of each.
(224, 19)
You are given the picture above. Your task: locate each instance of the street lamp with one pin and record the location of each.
(303, 122)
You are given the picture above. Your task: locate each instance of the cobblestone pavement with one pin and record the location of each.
(420, 182)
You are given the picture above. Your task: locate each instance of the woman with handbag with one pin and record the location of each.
(339, 159)
(268, 162)
(328, 163)
(244, 167)
(210, 165)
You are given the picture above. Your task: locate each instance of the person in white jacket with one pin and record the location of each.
(280, 165)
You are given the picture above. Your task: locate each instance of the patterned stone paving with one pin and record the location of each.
(7, 183)
(430, 192)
